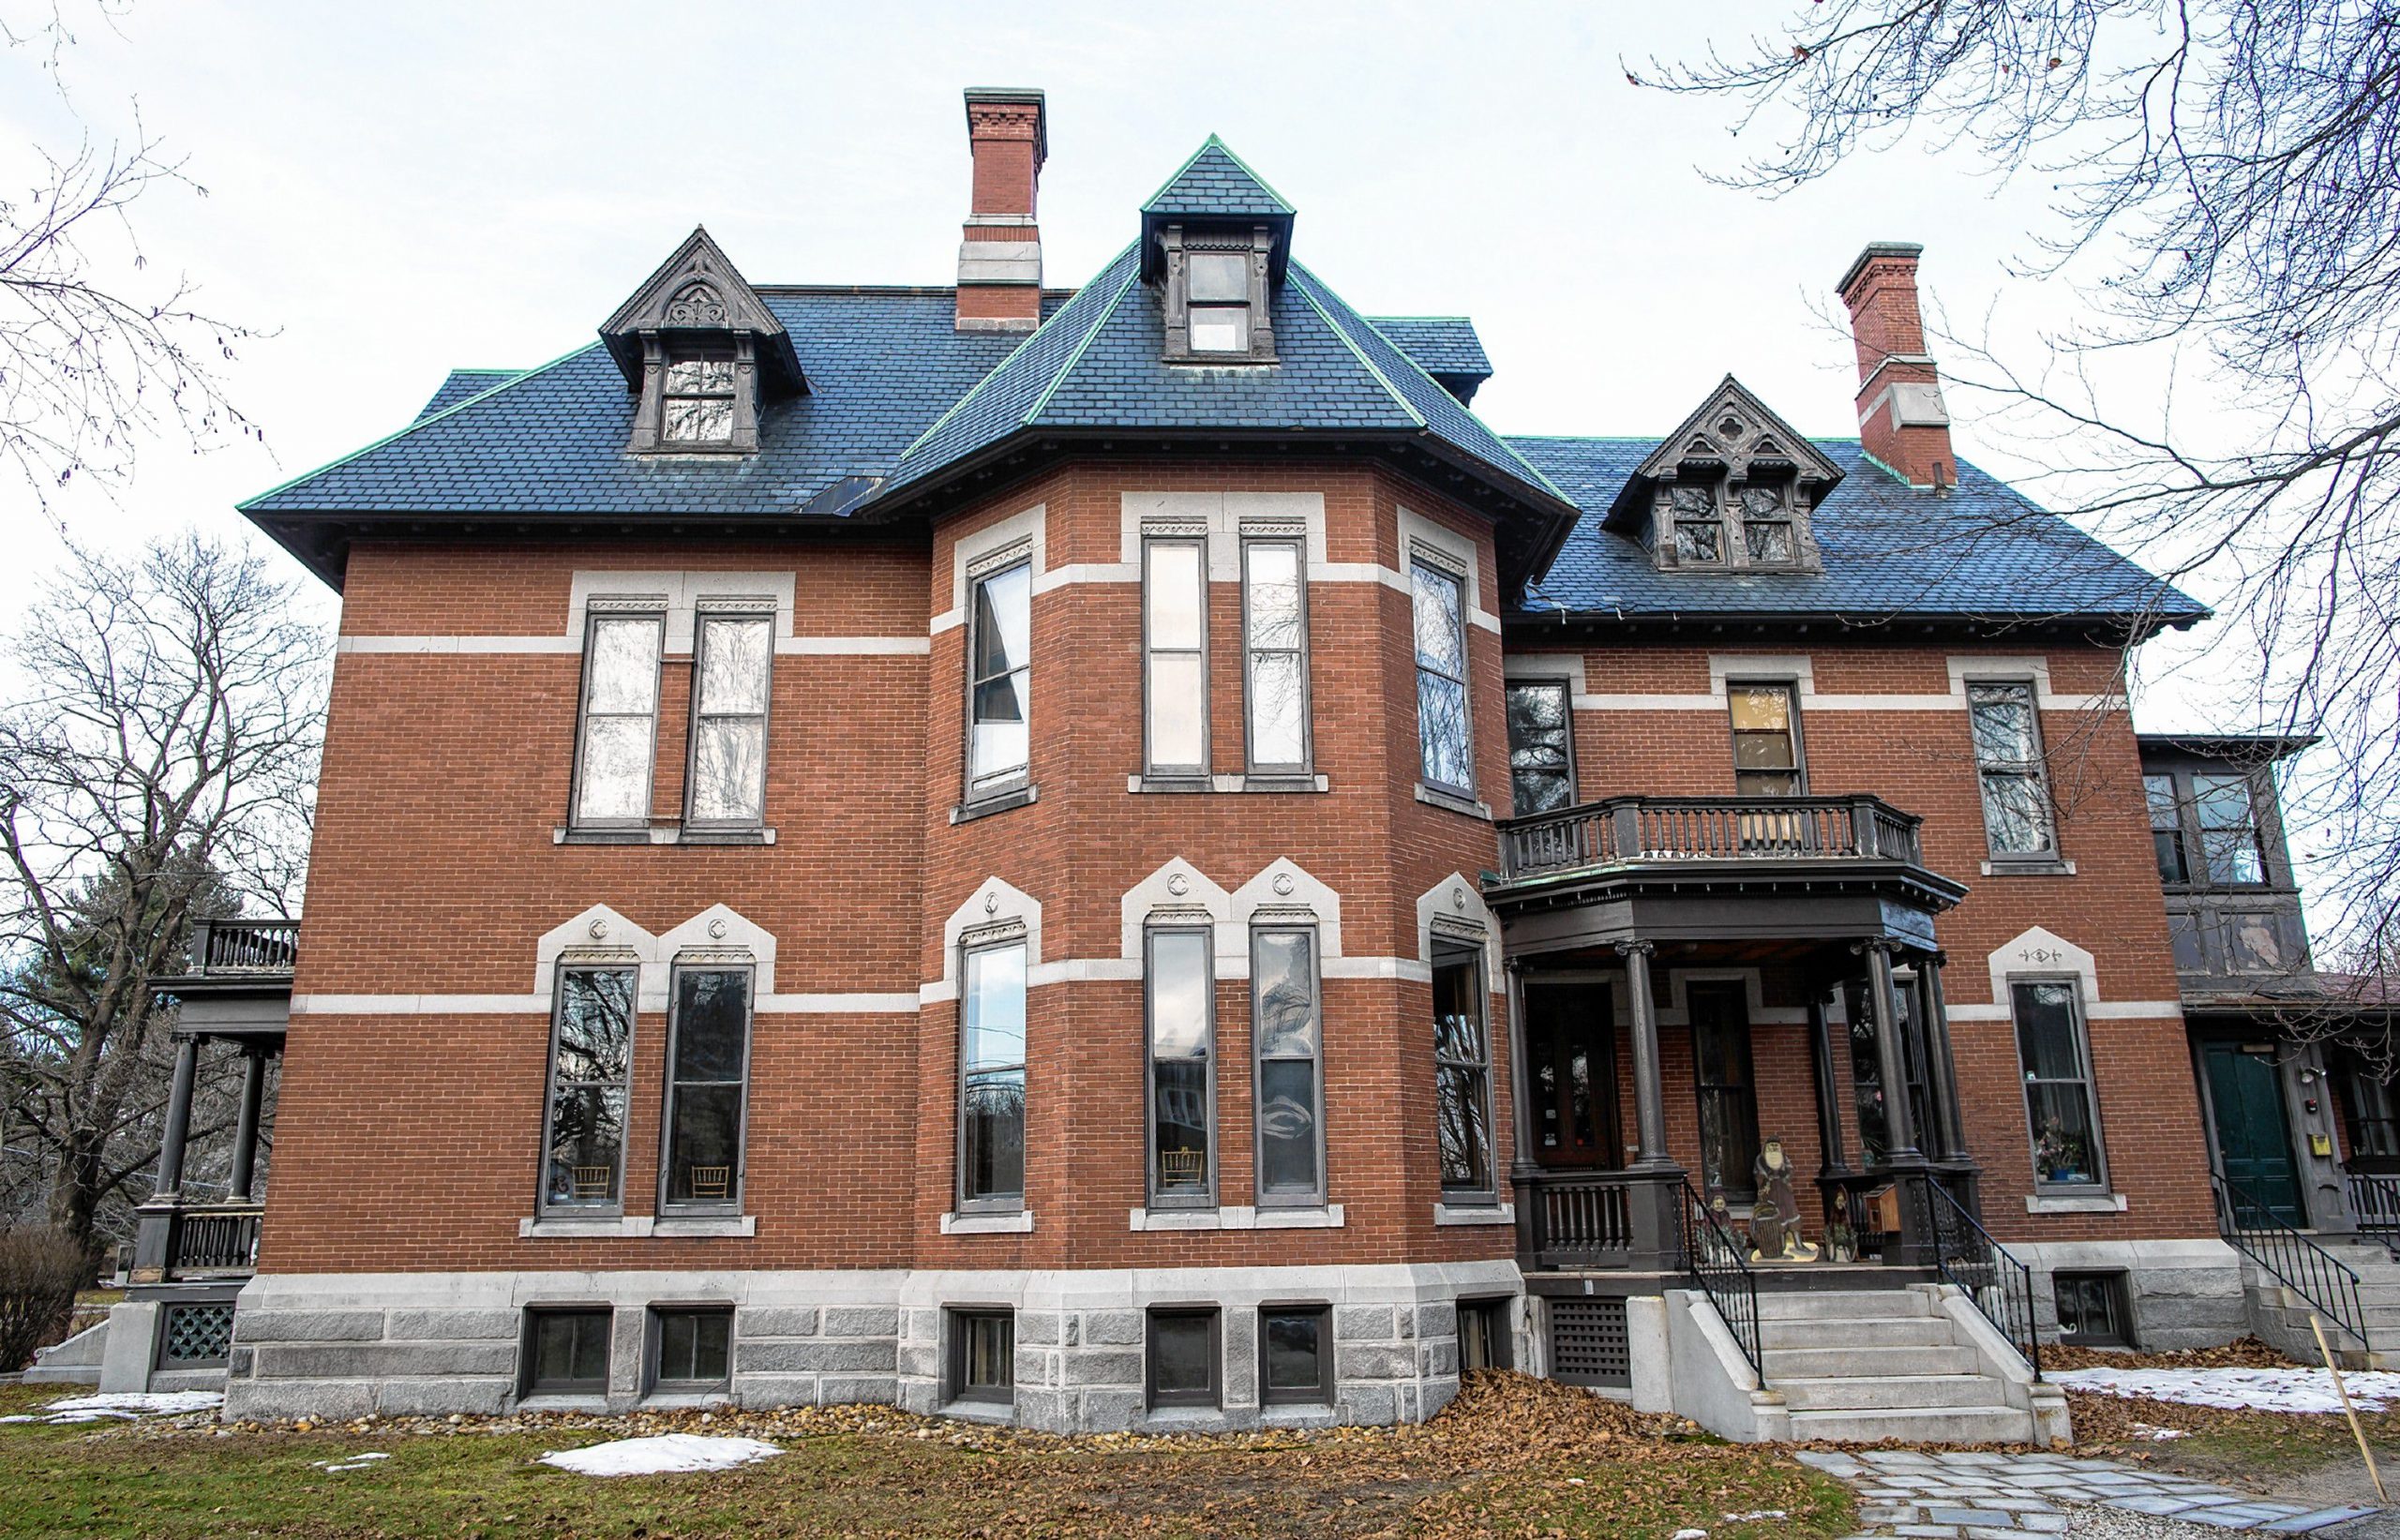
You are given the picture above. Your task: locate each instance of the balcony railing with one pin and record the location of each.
(1628, 829)
(245, 946)
(1580, 1221)
(214, 1240)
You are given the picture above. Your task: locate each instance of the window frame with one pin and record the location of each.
(654, 1365)
(1790, 686)
(1151, 767)
(1566, 688)
(2036, 769)
(668, 1206)
(1251, 764)
(736, 614)
(1212, 1398)
(1253, 245)
(2100, 1184)
(596, 615)
(1206, 1197)
(528, 1381)
(1419, 560)
(2116, 1303)
(956, 1353)
(1786, 516)
(1320, 1394)
(543, 1205)
(1003, 784)
(1460, 954)
(730, 395)
(1316, 1196)
(2256, 826)
(2181, 829)
(1498, 1314)
(989, 1203)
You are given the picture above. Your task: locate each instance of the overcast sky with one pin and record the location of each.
(395, 191)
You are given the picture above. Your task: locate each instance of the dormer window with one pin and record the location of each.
(1731, 490)
(699, 402)
(1215, 289)
(702, 354)
(1766, 526)
(1220, 289)
(1699, 533)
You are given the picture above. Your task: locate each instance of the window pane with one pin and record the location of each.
(1274, 594)
(1295, 1348)
(2158, 793)
(690, 377)
(711, 1020)
(1538, 727)
(570, 1349)
(1181, 1362)
(706, 1145)
(1003, 620)
(1440, 644)
(1276, 709)
(698, 419)
(2045, 1032)
(1696, 541)
(1762, 503)
(1762, 751)
(1287, 1125)
(1178, 706)
(1182, 1019)
(625, 665)
(996, 1007)
(987, 1351)
(734, 656)
(1181, 1008)
(729, 770)
(1760, 708)
(1768, 542)
(586, 1137)
(1000, 739)
(992, 1094)
(2222, 802)
(1220, 329)
(2233, 857)
(1459, 1113)
(616, 770)
(1173, 597)
(1283, 980)
(2016, 814)
(1180, 1111)
(2063, 1144)
(1458, 1015)
(1441, 731)
(2002, 716)
(1692, 501)
(1219, 275)
(595, 1025)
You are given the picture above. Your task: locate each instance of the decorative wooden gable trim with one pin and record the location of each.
(698, 307)
(1733, 448)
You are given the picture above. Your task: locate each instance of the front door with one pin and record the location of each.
(2253, 1136)
(1729, 1107)
(1571, 1040)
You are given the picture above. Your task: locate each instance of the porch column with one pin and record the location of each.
(1950, 1130)
(1900, 1120)
(1520, 1128)
(178, 1129)
(1833, 1160)
(245, 1131)
(1649, 1097)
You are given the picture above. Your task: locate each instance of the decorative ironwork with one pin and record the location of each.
(2295, 1261)
(1712, 1257)
(205, 1240)
(1992, 1278)
(196, 1335)
(1672, 828)
(1589, 1344)
(245, 946)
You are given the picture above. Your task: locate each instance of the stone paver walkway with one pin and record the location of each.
(1930, 1495)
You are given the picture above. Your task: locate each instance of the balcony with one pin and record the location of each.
(207, 1241)
(245, 948)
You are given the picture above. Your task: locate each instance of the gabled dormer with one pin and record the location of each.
(1730, 490)
(704, 354)
(1215, 243)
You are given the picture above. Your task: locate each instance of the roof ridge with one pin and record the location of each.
(427, 421)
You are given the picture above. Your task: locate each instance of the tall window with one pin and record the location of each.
(1220, 290)
(1440, 603)
(591, 1057)
(699, 402)
(1287, 1026)
(2052, 1052)
(1000, 650)
(1729, 1109)
(1541, 750)
(708, 1063)
(729, 720)
(1275, 633)
(1175, 684)
(2008, 757)
(1767, 740)
(620, 726)
(2229, 828)
(1461, 1073)
(1183, 1030)
(991, 1079)
(2166, 829)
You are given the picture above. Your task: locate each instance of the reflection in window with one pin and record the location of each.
(1699, 534)
(1175, 626)
(1439, 601)
(1766, 526)
(729, 720)
(1289, 1030)
(1462, 1074)
(999, 651)
(591, 1057)
(620, 720)
(1275, 641)
(2166, 829)
(991, 1115)
(694, 1347)
(1218, 288)
(2008, 758)
(1541, 771)
(2058, 1085)
(699, 402)
(1767, 743)
(2229, 828)
(1183, 1024)
(706, 1068)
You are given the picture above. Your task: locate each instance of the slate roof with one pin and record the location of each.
(1215, 184)
(1984, 552)
(461, 384)
(1440, 344)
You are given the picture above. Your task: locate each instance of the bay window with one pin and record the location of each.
(2229, 828)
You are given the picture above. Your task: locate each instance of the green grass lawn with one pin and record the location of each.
(1460, 1476)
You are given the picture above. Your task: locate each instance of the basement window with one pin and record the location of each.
(566, 1351)
(2091, 1310)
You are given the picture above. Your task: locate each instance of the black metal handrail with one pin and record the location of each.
(1712, 1257)
(1672, 829)
(1994, 1281)
(2295, 1260)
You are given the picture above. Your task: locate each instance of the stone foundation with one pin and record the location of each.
(2183, 1294)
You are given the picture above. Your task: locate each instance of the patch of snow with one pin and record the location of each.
(1689, 1535)
(660, 1454)
(1754, 1517)
(2308, 1390)
(356, 1462)
(2156, 1435)
(124, 1405)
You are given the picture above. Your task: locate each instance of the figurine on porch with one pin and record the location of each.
(1775, 1228)
(1842, 1241)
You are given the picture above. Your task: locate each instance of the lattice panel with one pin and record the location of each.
(1587, 1342)
(196, 1335)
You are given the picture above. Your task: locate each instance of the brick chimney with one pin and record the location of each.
(1901, 420)
(999, 261)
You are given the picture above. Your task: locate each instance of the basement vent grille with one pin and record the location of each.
(196, 1337)
(1587, 1342)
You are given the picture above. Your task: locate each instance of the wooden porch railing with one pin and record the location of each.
(1624, 829)
(214, 1240)
(245, 946)
(2375, 1200)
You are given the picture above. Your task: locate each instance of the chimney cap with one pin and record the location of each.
(1013, 96)
(1874, 249)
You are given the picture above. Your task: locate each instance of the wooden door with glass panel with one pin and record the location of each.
(1570, 1044)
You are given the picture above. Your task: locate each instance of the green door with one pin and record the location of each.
(2253, 1138)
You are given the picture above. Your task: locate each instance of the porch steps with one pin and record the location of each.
(1858, 1365)
(2279, 1315)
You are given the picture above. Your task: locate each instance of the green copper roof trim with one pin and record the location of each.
(1308, 291)
(1284, 204)
(1033, 414)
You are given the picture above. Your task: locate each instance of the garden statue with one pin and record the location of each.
(1775, 1216)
